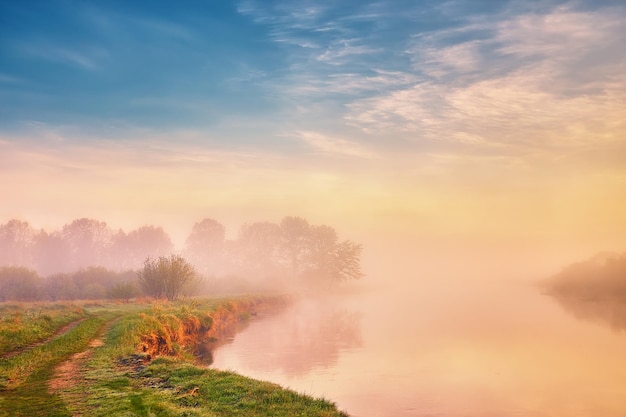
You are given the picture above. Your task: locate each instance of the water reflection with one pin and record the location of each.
(204, 351)
(475, 352)
(308, 335)
(610, 312)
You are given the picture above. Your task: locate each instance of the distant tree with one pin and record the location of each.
(19, 284)
(347, 261)
(51, 253)
(61, 286)
(92, 282)
(205, 245)
(17, 239)
(258, 246)
(330, 261)
(165, 277)
(601, 277)
(294, 241)
(123, 291)
(87, 241)
(130, 250)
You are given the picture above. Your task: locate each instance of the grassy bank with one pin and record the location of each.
(139, 360)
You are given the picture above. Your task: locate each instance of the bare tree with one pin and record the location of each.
(165, 277)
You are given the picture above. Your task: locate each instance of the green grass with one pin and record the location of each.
(25, 377)
(24, 324)
(116, 382)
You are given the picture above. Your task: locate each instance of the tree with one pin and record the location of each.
(347, 261)
(205, 245)
(61, 286)
(165, 277)
(19, 283)
(294, 236)
(88, 242)
(17, 239)
(129, 250)
(329, 260)
(122, 291)
(258, 246)
(51, 253)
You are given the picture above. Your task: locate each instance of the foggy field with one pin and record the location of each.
(132, 358)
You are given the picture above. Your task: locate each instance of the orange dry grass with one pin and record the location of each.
(169, 332)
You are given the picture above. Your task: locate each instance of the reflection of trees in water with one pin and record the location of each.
(307, 336)
(607, 311)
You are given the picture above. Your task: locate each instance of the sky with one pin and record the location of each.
(480, 122)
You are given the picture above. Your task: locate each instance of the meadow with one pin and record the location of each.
(133, 359)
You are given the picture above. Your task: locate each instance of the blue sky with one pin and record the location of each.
(410, 105)
(210, 65)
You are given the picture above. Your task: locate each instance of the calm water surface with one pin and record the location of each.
(502, 350)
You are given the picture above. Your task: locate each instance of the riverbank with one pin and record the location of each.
(139, 359)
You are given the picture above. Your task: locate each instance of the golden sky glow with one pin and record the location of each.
(503, 125)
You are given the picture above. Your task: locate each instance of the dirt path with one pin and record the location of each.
(71, 373)
(58, 333)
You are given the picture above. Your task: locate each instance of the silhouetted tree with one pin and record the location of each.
(87, 241)
(601, 277)
(165, 276)
(51, 253)
(17, 239)
(123, 291)
(294, 241)
(19, 283)
(61, 286)
(258, 246)
(205, 245)
(328, 260)
(131, 249)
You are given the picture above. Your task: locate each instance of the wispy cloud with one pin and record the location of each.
(84, 57)
(334, 145)
(343, 49)
(519, 82)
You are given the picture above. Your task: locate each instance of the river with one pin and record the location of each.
(498, 349)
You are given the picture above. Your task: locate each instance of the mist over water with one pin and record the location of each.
(471, 343)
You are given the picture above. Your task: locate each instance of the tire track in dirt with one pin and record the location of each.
(71, 373)
(58, 333)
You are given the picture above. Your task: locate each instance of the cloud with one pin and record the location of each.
(334, 145)
(343, 49)
(526, 85)
(85, 57)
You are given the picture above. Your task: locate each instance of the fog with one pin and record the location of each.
(247, 256)
(458, 323)
(289, 255)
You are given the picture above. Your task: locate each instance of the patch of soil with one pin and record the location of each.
(72, 372)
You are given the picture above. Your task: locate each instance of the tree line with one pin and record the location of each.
(80, 244)
(600, 278)
(87, 259)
